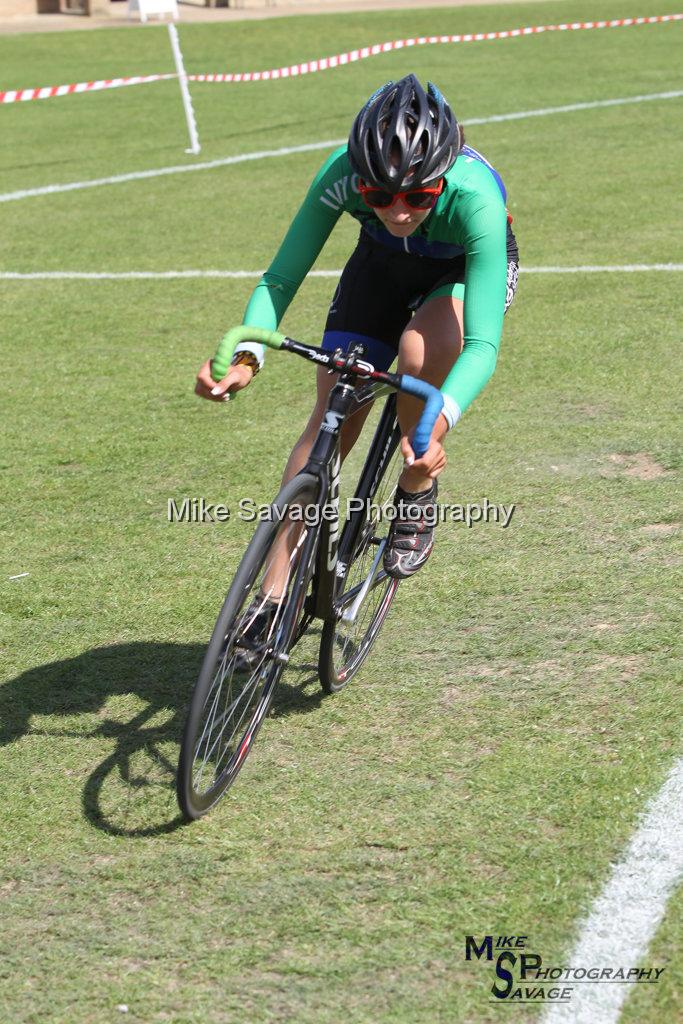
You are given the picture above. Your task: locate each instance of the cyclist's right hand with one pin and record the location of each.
(235, 379)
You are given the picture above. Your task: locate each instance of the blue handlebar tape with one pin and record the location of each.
(433, 400)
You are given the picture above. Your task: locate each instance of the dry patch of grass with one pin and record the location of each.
(660, 529)
(639, 465)
(628, 666)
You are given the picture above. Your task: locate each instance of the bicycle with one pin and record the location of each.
(338, 579)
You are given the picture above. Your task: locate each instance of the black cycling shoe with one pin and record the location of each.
(251, 646)
(411, 535)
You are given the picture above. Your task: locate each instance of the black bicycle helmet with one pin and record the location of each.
(404, 136)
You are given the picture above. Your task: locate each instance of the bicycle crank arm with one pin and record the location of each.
(350, 614)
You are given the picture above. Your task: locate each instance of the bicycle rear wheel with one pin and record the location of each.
(367, 592)
(243, 661)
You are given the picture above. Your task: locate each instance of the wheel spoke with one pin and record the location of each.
(227, 746)
(216, 744)
(211, 715)
(238, 685)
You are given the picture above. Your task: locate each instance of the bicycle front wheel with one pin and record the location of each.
(247, 651)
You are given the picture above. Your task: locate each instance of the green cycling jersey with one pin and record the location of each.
(469, 218)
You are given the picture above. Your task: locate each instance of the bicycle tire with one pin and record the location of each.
(194, 801)
(336, 670)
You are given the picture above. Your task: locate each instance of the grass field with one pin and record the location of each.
(522, 705)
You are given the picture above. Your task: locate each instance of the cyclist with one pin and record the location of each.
(433, 272)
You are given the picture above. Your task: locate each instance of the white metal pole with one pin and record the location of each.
(184, 90)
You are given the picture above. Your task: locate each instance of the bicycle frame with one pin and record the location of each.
(325, 463)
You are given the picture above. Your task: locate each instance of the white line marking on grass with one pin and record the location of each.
(627, 913)
(615, 268)
(20, 576)
(570, 107)
(169, 275)
(27, 193)
(206, 165)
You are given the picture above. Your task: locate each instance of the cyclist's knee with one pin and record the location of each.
(411, 353)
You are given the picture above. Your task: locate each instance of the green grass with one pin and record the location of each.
(521, 705)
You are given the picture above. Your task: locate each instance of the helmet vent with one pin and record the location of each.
(404, 135)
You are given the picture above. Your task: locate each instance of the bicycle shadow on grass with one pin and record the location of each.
(130, 700)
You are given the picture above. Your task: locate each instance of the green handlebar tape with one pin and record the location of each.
(226, 349)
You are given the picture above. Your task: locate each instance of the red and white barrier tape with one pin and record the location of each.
(399, 44)
(307, 67)
(13, 96)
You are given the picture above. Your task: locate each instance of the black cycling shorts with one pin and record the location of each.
(380, 289)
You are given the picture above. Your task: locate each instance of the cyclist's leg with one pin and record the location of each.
(350, 430)
(278, 565)
(429, 347)
(433, 340)
(280, 559)
(358, 312)
(364, 309)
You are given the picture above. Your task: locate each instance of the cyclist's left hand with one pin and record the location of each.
(430, 464)
(236, 378)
